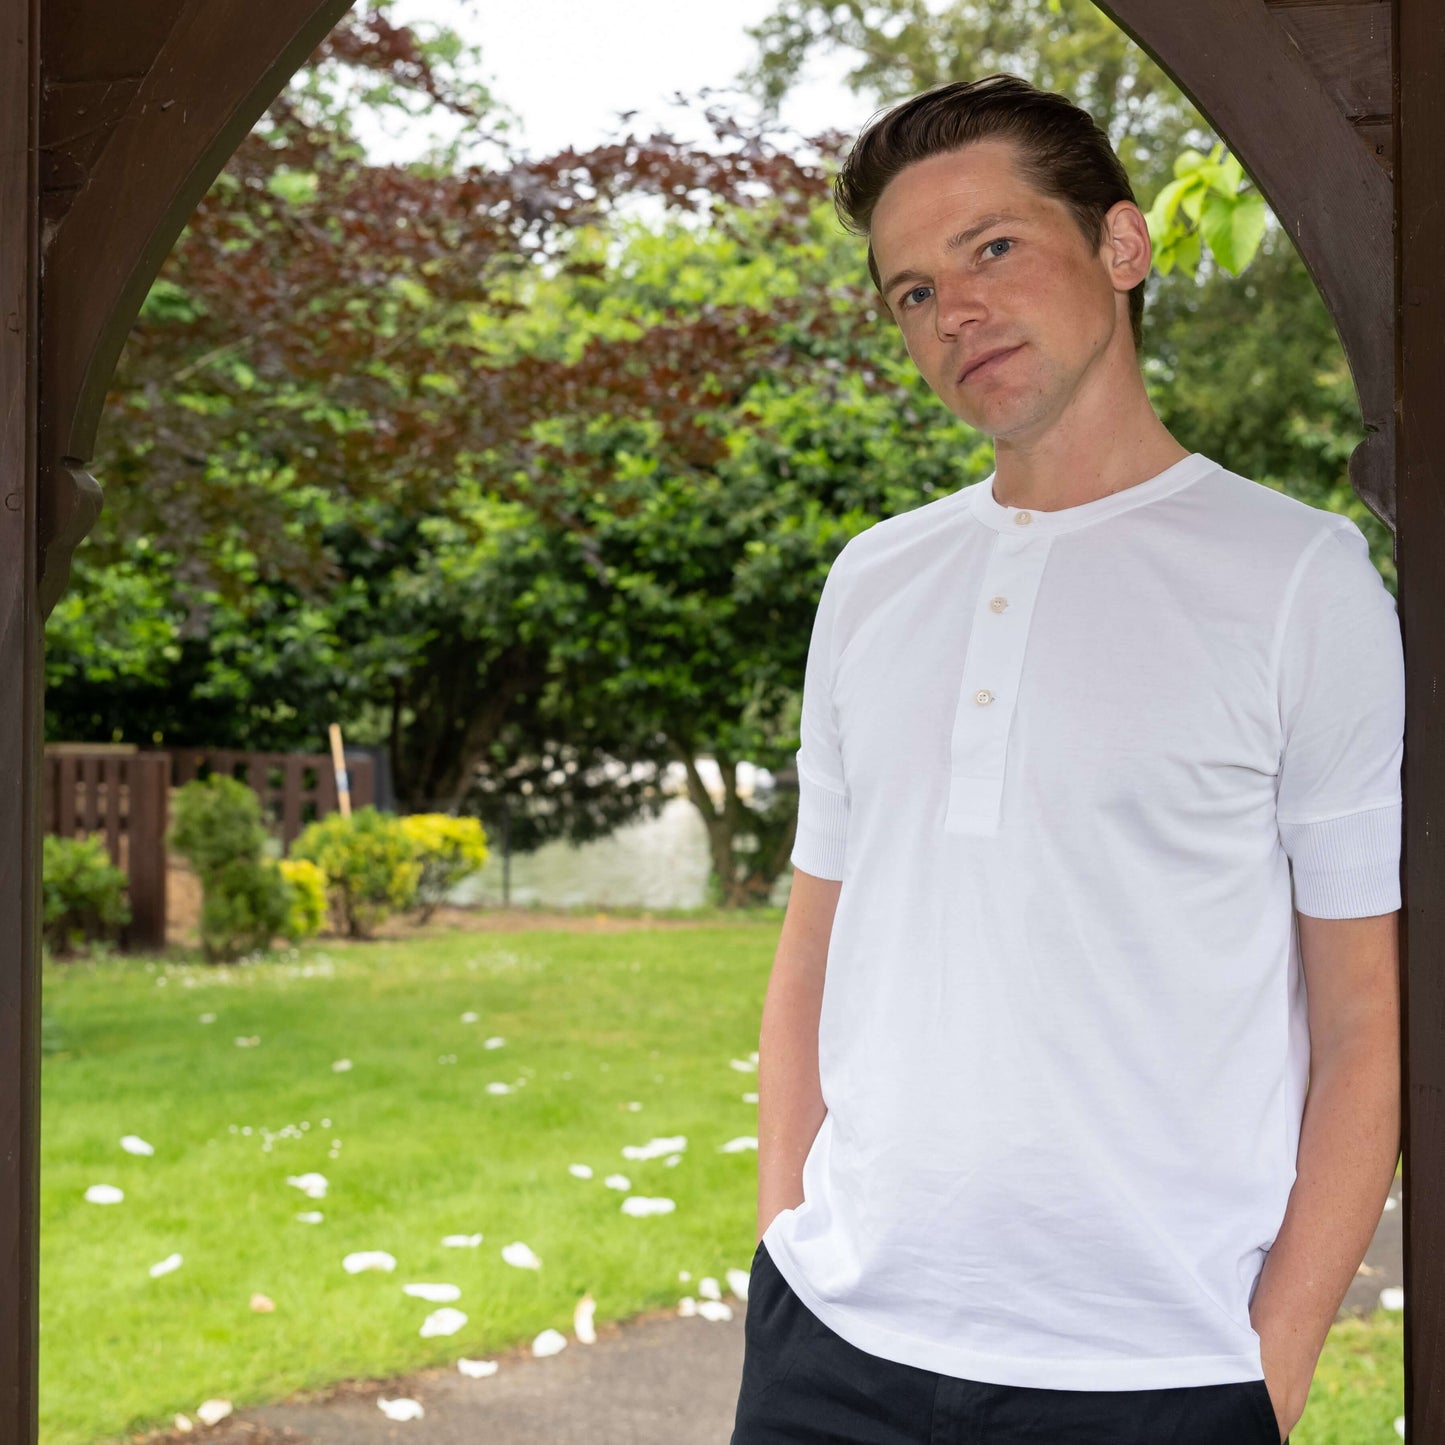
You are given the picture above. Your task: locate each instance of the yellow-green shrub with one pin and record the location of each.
(307, 910)
(368, 864)
(448, 849)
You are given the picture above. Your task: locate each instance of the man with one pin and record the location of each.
(1097, 873)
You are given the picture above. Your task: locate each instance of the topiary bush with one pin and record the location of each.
(448, 849)
(245, 898)
(84, 894)
(308, 898)
(369, 863)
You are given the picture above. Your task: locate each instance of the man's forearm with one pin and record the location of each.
(790, 1097)
(1349, 1145)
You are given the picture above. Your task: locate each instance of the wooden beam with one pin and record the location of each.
(1420, 541)
(21, 665)
(1249, 78)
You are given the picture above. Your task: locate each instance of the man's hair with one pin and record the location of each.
(1061, 152)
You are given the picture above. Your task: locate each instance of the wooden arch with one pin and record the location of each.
(114, 121)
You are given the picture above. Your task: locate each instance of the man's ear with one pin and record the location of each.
(1126, 247)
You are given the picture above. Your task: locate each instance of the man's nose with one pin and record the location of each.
(958, 300)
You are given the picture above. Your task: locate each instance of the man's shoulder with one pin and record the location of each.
(891, 540)
(1258, 520)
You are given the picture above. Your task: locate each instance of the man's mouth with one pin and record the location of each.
(983, 365)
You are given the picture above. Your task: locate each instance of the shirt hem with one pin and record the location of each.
(1052, 1374)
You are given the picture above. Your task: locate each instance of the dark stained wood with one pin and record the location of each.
(149, 782)
(1420, 543)
(21, 665)
(122, 796)
(1347, 44)
(1249, 78)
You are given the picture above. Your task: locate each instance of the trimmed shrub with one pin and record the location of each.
(448, 849)
(245, 899)
(84, 894)
(369, 865)
(308, 898)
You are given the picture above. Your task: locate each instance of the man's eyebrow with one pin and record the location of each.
(983, 223)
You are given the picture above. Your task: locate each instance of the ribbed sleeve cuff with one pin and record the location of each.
(822, 829)
(1346, 867)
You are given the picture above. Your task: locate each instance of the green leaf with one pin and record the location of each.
(1188, 161)
(1234, 229)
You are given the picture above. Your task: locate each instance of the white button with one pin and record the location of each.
(983, 695)
(1024, 518)
(998, 603)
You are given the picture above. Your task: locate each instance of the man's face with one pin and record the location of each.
(1032, 283)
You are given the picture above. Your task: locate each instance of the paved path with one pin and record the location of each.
(657, 1379)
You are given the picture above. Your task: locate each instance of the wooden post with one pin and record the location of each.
(1419, 39)
(338, 766)
(150, 781)
(21, 726)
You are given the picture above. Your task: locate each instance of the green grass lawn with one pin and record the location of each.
(593, 1023)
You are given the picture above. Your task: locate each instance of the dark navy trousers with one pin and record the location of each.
(805, 1385)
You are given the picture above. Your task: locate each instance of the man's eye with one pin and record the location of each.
(1002, 241)
(914, 292)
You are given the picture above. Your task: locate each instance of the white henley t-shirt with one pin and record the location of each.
(1076, 769)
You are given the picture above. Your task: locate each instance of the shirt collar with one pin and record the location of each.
(1066, 519)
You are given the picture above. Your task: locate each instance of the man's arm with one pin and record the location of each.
(790, 1096)
(1349, 1146)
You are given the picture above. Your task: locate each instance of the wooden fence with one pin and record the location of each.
(123, 795)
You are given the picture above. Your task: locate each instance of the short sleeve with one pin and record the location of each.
(822, 789)
(1341, 693)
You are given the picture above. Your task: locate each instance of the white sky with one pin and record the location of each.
(567, 66)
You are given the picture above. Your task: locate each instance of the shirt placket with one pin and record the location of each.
(988, 691)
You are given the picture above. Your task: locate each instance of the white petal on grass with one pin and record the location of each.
(738, 1280)
(684, 1275)
(248, 1043)
(520, 1255)
(311, 1216)
(166, 1266)
(687, 1307)
(341, 1066)
(313, 1186)
(750, 1098)
(549, 1342)
(183, 1424)
(212, 1412)
(582, 1320)
(639, 1204)
(743, 1066)
(365, 1259)
(618, 1181)
(1392, 1298)
(437, 1294)
(738, 1145)
(654, 1148)
(442, 1322)
(672, 1161)
(462, 1241)
(715, 1310)
(401, 1409)
(1400, 1426)
(104, 1194)
(709, 1288)
(208, 1018)
(499, 1088)
(134, 1144)
(633, 1106)
(263, 1304)
(494, 1042)
(469, 1017)
(477, 1369)
(580, 1171)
